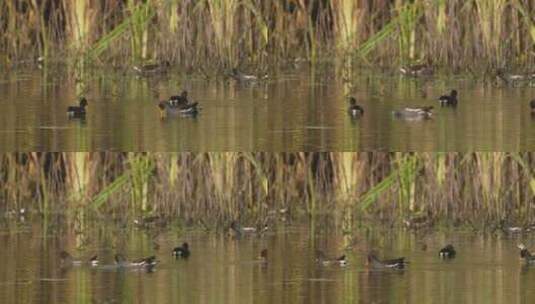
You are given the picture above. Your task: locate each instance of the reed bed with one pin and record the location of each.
(227, 33)
(479, 189)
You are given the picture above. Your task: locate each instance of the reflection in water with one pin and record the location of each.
(225, 270)
(294, 111)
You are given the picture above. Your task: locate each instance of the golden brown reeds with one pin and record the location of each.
(228, 33)
(479, 188)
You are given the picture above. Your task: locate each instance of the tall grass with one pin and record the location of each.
(235, 32)
(477, 188)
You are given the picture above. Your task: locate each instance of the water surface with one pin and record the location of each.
(297, 110)
(224, 270)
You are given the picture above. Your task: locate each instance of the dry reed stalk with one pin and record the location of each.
(80, 17)
(78, 177)
(490, 15)
(346, 26)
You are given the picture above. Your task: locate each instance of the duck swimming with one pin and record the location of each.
(449, 100)
(263, 255)
(242, 77)
(354, 109)
(234, 230)
(376, 263)
(182, 251)
(179, 100)
(151, 69)
(532, 106)
(322, 259)
(78, 111)
(417, 70)
(67, 259)
(166, 109)
(237, 231)
(447, 252)
(525, 254)
(512, 79)
(121, 261)
(417, 113)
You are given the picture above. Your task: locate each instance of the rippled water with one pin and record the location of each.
(292, 111)
(224, 270)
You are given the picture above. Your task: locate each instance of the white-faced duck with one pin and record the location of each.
(325, 261)
(181, 251)
(67, 259)
(354, 109)
(447, 252)
(416, 113)
(78, 111)
(374, 262)
(449, 100)
(418, 70)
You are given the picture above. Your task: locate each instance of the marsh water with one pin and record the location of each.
(221, 269)
(296, 110)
